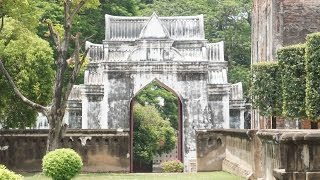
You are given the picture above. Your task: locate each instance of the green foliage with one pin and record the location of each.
(313, 76)
(266, 88)
(6, 174)
(61, 164)
(292, 64)
(150, 96)
(152, 134)
(172, 166)
(240, 73)
(29, 60)
(92, 21)
(24, 11)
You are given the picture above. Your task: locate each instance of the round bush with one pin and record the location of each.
(8, 175)
(172, 166)
(61, 164)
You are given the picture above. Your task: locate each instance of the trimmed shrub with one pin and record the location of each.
(6, 174)
(313, 76)
(266, 88)
(293, 75)
(61, 164)
(172, 166)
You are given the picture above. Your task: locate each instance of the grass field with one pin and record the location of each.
(147, 176)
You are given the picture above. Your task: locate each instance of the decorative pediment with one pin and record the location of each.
(154, 29)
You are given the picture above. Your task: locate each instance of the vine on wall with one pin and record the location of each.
(266, 88)
(290, 87)
(312, 60)
(292, 65)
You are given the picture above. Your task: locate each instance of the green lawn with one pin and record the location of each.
(147, 176)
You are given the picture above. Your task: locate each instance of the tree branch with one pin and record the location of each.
(34, 105)
(77, 65)
(77, 9)
(2, 23)
(54, 35)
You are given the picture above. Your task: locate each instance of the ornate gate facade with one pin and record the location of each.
(170, 50)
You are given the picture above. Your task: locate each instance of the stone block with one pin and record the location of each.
(313, 176)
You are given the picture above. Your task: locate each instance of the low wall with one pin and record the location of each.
(263, 154)
(101, 150)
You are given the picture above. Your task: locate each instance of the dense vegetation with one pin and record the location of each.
(292, 65)
(290, 87)
(152, 134)
(266, 88)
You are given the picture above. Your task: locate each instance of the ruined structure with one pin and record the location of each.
(170, 50)
(278, 23)
(260, 154)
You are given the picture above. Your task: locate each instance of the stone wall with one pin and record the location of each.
(277, 23)
(101, 150)
(266, 154)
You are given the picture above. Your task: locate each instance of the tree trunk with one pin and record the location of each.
(273, 122)
(56, 131)
(55, 113)
(314, 124)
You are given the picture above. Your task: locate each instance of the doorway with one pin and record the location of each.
(155, 128)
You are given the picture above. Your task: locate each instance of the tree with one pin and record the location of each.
(152, 134)
(150, 96)
(240, 73)
(92, 21)
(25, 11)
(31, 67)
(56, 110)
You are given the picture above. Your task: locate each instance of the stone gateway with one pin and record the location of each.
(170, 50)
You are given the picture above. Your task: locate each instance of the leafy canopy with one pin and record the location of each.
(152, 94)
(29, 59)
(152, 134)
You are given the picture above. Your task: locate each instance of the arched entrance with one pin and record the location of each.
(133, 166)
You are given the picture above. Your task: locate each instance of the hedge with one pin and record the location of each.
(61, 164)
(292, 65)
(313, 76)
(266, 88)
(6, 174)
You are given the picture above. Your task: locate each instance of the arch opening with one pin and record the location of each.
(164, 105)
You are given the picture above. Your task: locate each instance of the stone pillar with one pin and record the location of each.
(84, 111)
(218, 105)
(242, 119)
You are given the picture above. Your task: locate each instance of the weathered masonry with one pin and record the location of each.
(277, 23)
(170, 50)
(261, 154)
